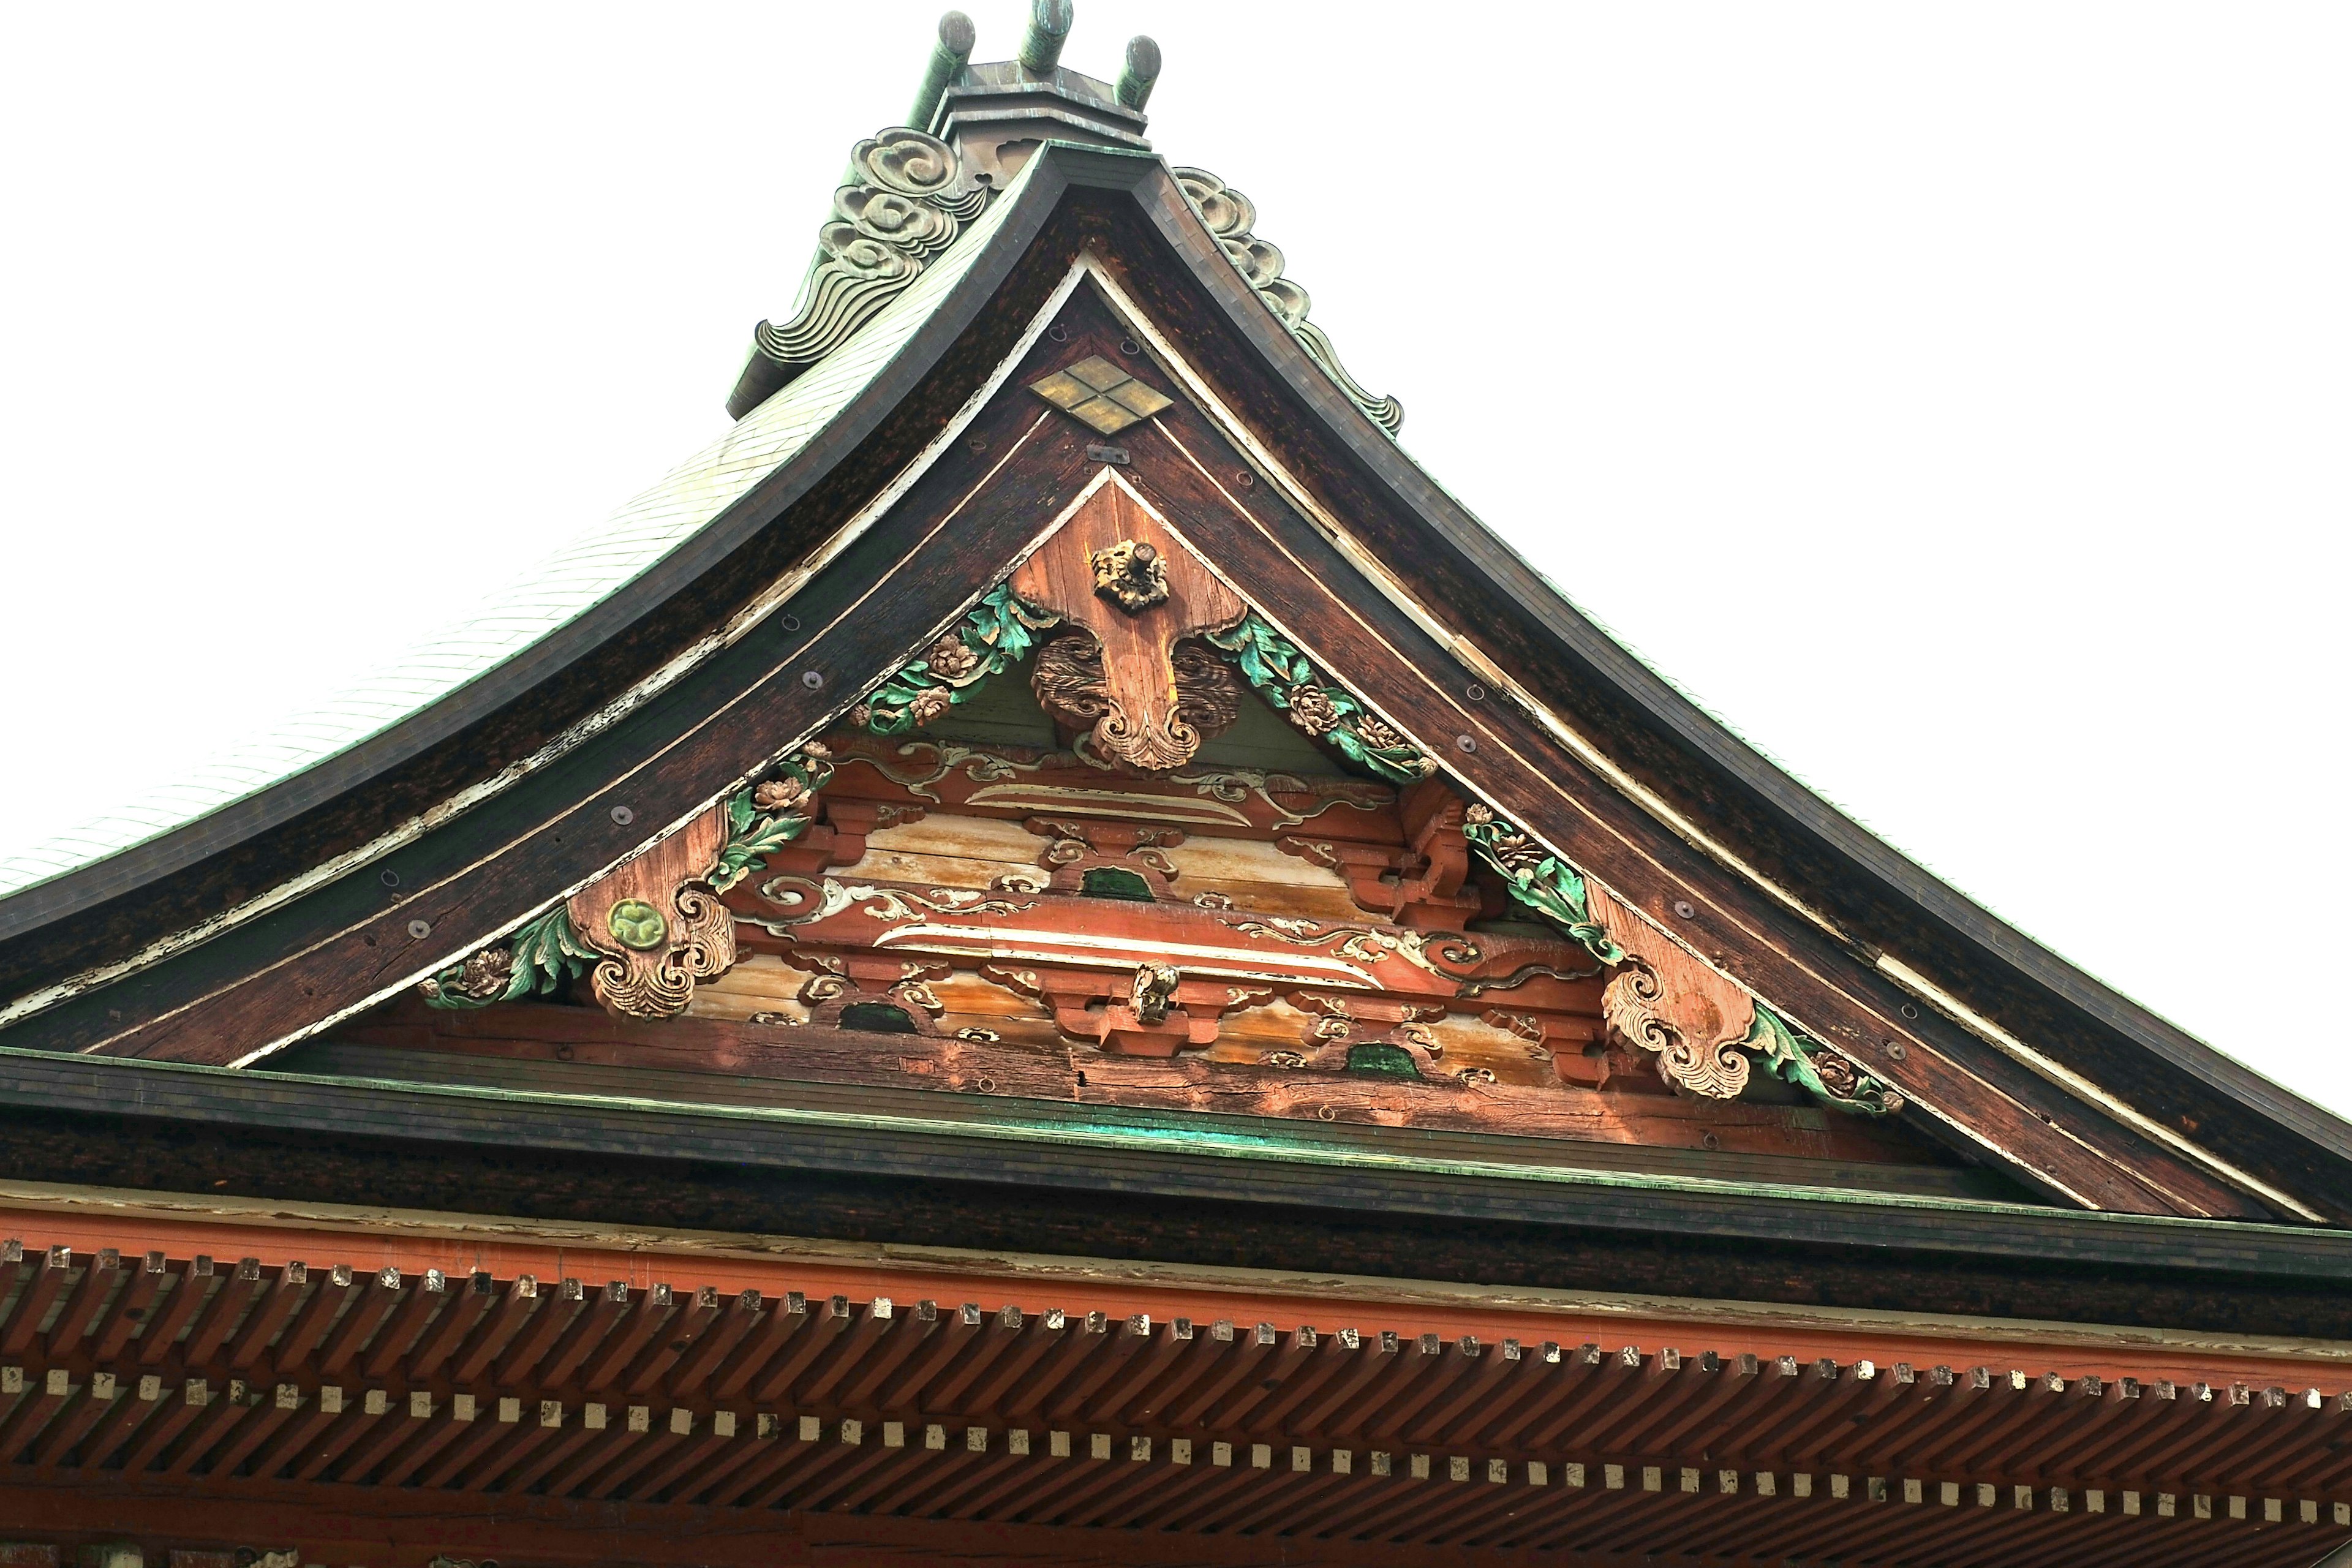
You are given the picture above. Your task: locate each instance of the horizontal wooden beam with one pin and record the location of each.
(1111, 1156)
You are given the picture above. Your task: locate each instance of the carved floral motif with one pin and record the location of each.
(539, 958)
(771, 814)
(1797, 1058)
(1130, 575)
(994, 634)
(1288, 680)
(1539, 879)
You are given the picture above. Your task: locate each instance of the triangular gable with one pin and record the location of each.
(1357, 926)
(943, 475)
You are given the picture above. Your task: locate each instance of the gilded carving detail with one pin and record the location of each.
(1130, 575)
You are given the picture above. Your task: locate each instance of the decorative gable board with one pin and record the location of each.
(934, 486)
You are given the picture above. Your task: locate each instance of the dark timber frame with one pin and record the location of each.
(2122, 1111)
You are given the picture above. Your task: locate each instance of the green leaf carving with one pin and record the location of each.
(1799, 1059)
(1289, 681)
(764, 818)
(1539, 879)
(993, 635)
(539, 957)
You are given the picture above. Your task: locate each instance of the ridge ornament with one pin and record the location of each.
(906, 200)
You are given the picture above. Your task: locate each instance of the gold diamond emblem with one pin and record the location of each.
(1100, 395)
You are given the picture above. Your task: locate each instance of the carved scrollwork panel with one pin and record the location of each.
(1126, 674)
(655, 925)
(1667, 1001)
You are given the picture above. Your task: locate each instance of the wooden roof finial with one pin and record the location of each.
(948, 56)
(1049, 29)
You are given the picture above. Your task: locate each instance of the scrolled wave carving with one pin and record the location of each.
(908, 203)
(699, 945)
(654, 927)
(1230, 216)
(1691, 1051)
(1073, 684)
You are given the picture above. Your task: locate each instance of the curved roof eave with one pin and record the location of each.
(864, 379)
(565, 608)
(1690, 726)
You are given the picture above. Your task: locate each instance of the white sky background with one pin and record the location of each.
(1952, 398)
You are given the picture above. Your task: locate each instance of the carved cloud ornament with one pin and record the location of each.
(907, 200)
(1230, 216)
(1702, 1026)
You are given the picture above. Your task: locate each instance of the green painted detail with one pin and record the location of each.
(1111, 882)
(1799, 1059)
(1288, 680)
(1539, 879)
(766, 817)
(635, 923)
(540, 959)
(1377, 1058)
(993, 635)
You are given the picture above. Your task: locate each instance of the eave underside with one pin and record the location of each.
(409, 1385)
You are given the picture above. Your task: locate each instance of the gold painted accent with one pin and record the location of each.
(1100, 395)
(1130, 574)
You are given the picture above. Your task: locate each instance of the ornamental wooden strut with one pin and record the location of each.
(1071, 965)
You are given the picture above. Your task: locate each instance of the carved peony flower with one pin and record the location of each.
(1479, 815)
(1311, 709)
(817, 752)
(861, 715)
(1517, 853)
(928, 704)
(1377, 735)
(951, 658)
(1836, 1073)
(781, 795)
(484, 976)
